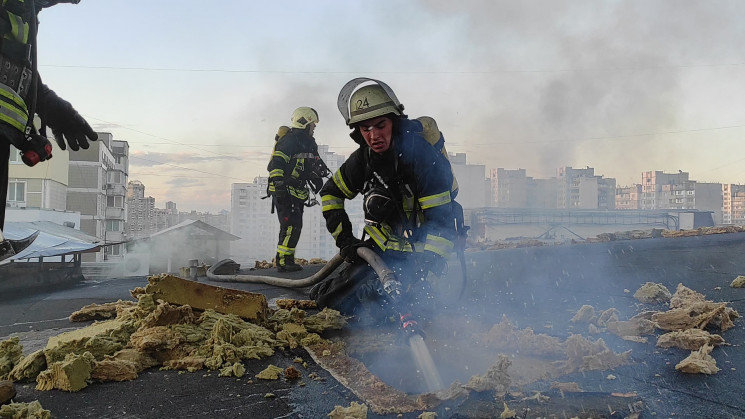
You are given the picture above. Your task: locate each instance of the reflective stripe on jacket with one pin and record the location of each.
(15, 72)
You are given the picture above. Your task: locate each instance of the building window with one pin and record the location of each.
(113, 225)
(16, 192)
(115, 201)
(15, 155)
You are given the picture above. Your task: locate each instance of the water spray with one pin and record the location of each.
(413, 334)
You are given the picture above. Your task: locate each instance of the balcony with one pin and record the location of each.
(114, 213)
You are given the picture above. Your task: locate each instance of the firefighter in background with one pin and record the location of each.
(408, 190)
(22, 94)
(295, 165)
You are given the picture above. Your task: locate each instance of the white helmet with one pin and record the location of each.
(303, 116)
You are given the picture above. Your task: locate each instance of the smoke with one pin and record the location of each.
(577, 83)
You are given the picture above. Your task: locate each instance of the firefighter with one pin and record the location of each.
(22, 94)
(295, 165)
(407, 190)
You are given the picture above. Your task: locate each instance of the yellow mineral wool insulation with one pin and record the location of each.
(685, 296)
(496, 378)
(142, 360)
(188, 363)
(697, 315)
(11, 353)
(507, 413)
(354, 411)
(99, 311)
(587, 355)
(114, 370)
(158, 338)
(505, 336)
(738, 282)
(31, 410)
(236, 369)
(699, 362)
(180, 291)
(586, 314)
(323, 320)
(610, 315)
(690, 339)
(165, 314)
(272, 372)
(72, 374)
(651, 292)
(634, 327)
(78, 340)
(292, 334)
(29, 366)
(288, 303)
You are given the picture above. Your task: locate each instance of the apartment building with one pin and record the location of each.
(42, 186)
(666, 191)
(97, 187)
(733, 204)
(141, 220)
(511, 188)
(582, 189)
(627, 197)
(473, 185)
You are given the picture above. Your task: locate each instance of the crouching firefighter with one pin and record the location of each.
(294, 167)
(408, 189)
(22, 94)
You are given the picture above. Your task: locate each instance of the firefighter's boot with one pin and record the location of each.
(286, 263)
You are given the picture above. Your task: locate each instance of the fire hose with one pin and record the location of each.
(376, 262)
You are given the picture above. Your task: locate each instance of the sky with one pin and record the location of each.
(198, 89)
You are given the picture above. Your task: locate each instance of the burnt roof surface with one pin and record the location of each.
(539, 287)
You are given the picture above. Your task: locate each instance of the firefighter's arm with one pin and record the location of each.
(434, 184)
(66, 123)
(344, 185)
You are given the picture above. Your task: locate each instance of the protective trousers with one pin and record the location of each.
(290, 214)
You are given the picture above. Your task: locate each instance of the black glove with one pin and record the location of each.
(280, 189)
(430, 261)
(316, 184)
(348, 249)
(65, 122)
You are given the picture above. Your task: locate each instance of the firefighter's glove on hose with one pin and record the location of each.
(65, 122)
(316, 184)
(433, 262)
(280, 189)
(348, 249)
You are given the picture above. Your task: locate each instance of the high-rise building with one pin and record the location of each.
(97, 189)
(141, 221)
(582, 189)
(733, 204)
(473, 186)
(667, 191)
(627, 197)
(511, 188)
